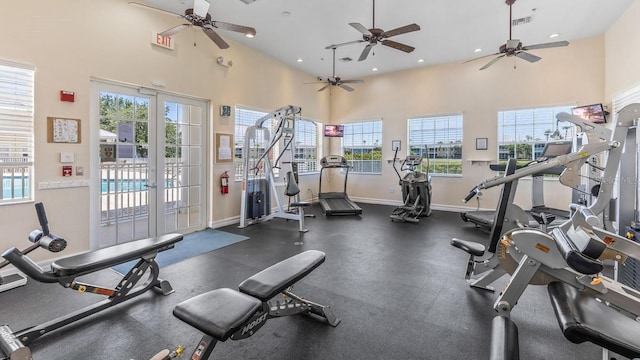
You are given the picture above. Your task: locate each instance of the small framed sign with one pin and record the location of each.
(481, 144)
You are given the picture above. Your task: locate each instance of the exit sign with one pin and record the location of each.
(162, 41)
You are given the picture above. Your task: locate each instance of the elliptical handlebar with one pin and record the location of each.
(471, 194)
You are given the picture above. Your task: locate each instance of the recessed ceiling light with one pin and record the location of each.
(374, 69)
(249, 35)
(299, 60)
(554, 35)
(477, 50)
(420, 60)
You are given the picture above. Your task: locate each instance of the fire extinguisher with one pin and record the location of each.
(224, 183)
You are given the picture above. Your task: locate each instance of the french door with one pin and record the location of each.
(151, 164)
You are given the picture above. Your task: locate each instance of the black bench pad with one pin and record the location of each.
(230, 307)
(473, 248)
(583, 318)
(276, 278)
(113, 255)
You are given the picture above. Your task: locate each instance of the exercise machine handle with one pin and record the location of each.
(42, 218)
(12, 346)
(471, 194)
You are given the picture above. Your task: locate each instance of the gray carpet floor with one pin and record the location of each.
(398, 288)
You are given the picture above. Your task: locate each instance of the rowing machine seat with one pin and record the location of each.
(582, 318)
(276, 278)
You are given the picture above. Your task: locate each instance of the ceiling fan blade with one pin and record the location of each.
(233, 27)
(398, 46)
(481, 57)
(526, 56)
(343, 44)
(175, 29)
(201, 7)
(365, 52)
(513, 44)
(154, 8)
(215, 38)
(492, 61)
(348, 88)
(546, 45)
(401, 30)
(352, 81)
(324, 87)
(360, 28)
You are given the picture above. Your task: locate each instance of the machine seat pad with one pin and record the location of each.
(113, 255)
(473, 248)
(300, 203)
(218, 313)
(276, 278)
(583, 318)
(504, 339)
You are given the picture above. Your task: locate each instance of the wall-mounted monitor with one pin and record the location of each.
(334, 130)
(594, 113)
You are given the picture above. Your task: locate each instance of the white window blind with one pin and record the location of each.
(16, 130)
(440, 139)
(626, 98)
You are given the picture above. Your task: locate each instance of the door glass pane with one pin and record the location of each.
(183, 128)
(124, 168)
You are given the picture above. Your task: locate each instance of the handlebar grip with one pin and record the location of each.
(471, 194)
(42, 217)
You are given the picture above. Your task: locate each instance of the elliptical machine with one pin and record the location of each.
(416, 190)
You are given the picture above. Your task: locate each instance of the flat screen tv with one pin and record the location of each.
(334, 130)
(594, 113)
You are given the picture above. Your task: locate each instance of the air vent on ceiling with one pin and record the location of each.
(346, 59)
(520, 21)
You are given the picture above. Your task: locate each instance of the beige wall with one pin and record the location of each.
(571, 75)
(69, 42)
(622, 52)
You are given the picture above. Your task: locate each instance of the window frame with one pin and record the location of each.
(17, 132)
(351, 131)
(454, 148)
(311, 164)
(537, 137)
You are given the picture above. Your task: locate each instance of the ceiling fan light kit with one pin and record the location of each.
(513, 47)
(199, 17)
(375, 35)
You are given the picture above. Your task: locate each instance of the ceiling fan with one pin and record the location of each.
(336, 80)
(374, 36)
(514, 47)
(199, 17)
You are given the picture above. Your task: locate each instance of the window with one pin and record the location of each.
(243, 119)
(306, 138)
(16, 131)
(523, 133)
(439, 140)
(361, 146)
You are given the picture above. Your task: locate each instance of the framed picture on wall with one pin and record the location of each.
(224, 148)
(481, 144)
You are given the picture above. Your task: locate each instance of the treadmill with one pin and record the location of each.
(336, 203)
(484, 218)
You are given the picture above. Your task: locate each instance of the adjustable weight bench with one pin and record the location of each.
(65, 271)
(225, 313)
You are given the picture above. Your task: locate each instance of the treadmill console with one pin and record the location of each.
(333, 161)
